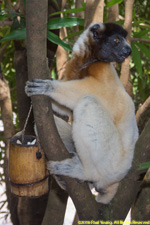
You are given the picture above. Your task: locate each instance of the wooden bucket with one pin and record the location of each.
(27, 168)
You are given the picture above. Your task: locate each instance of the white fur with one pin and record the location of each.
(79, 46)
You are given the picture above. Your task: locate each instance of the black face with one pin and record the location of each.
(114, 49)
(110, 43)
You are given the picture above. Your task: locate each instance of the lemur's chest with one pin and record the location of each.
(114, 99)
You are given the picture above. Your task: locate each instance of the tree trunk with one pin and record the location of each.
(31, 210)
(61, 53)
(53, 6)
(61, 56)
(113, 13)
(56, 202)
(141, 209)
(6, 110)
(94, 8)
(23, 102)
(78, 4)
(125, 67)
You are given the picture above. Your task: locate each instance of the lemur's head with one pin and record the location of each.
(103, 42)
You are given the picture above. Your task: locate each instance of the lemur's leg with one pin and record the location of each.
(65, 93)
(69, 167)
(108, 194)
(96, 141)
(65, 132)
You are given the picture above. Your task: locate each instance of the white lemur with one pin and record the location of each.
(104, 130)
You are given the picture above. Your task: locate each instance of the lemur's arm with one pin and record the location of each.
(65, 93)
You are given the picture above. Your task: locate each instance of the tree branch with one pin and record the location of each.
(142, 109)
(2, 50)
(113, 13)
(6, 111)
(61, 53)
(140, 39)
(5, 23)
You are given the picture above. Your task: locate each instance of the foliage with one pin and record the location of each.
(140, 58)
(18, 30)
(73, 10)
(112, 2)
(144, 166)
(140, 50)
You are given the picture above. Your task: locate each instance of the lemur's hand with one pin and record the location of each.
(38, 87)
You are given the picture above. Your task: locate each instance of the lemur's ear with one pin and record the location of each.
(96, 30)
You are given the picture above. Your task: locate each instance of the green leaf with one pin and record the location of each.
(144, 50)
(113, 2)
(2, 17)
(136, 58)
(68, 11)
(141, 34)
(57, 23)
(56, 40)
(73, 34)
(10, 14)
(15, 35)
(83, 5)
(145, 165)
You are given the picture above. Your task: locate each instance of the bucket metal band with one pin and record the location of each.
(29, 184)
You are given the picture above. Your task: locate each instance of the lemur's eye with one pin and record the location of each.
(116, 40)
